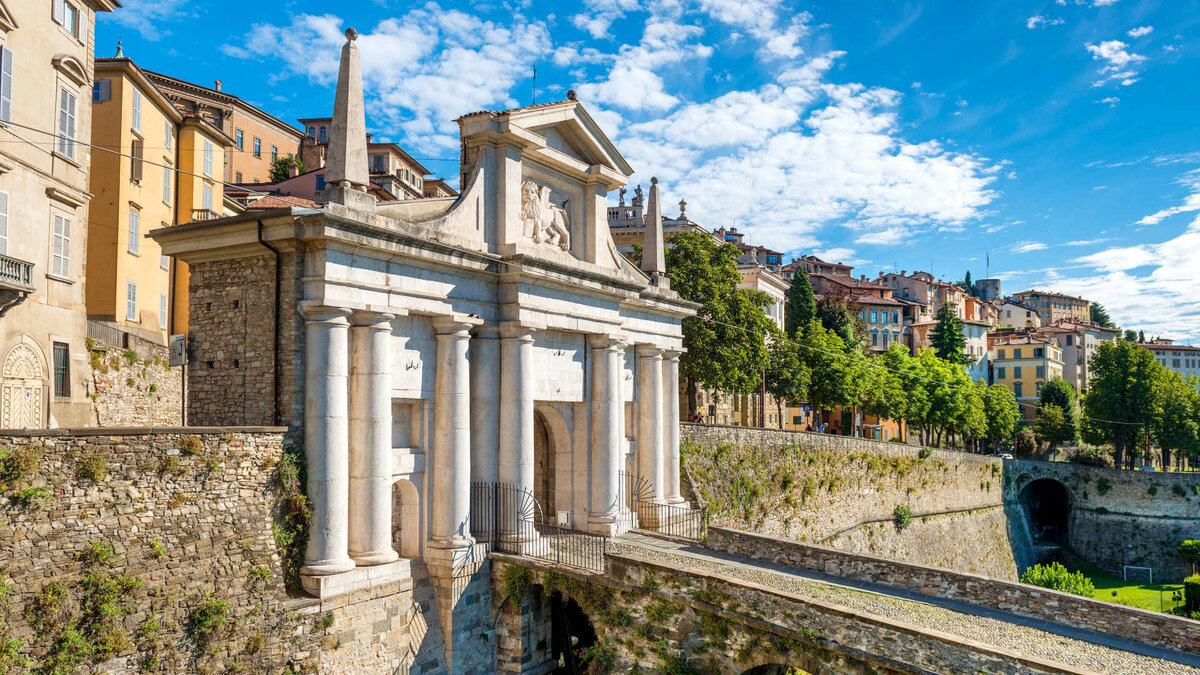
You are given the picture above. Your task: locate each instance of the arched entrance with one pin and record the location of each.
(1048, 503)
(23, 388)
(406, 519)
(543, 464)
(551, 455)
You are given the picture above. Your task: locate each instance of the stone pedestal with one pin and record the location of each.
(451, 498)
(670, 390)
(608, 436)
(326, 438)
(371, 439)
(518, 511)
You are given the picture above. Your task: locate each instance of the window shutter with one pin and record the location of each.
(3, 223)
(6, 76)
(166, 185)
(136, 151)
(162, 311)
(137, 110)
(168, 133)
(133, 232)
(57, 9)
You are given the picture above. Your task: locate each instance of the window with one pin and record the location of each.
(130, 301)
(3, 223)
(895, 316)
(1070, 340)
(66, 123)
(1000, 373)
(164, 262)
(6, 75)
(67, 15)
(162, 311)
(874, 338)
(874, 316)
(136, 151)
(1017, 372)
(377, 164)
(1017, 389)
(168, 133)
(1016, 353)
(1038, 352)
(257, 148)
(238, 141)
(1041, 371)
(208, 158)
(101, 91)
(62, 369)
(322, 138)
(237, 176)
(321, 182)
(60, 247)
(208, 197)
(133, 231)
(274, 154)
(312, 132)
(166, 185)
(137, 110)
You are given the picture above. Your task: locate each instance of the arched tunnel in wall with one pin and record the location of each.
(1048, 504)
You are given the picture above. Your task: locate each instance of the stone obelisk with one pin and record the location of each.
(346, 177)
(653, 257)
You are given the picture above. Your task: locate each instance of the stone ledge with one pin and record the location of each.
(140, 431)
(326, 587)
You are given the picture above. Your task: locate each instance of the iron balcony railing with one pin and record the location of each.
(16, 273)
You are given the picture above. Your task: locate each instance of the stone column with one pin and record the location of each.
(516, 430)
(371, 439)
(670, 387)
(326, 438)
(608, 435)
(485, 405)
(451, 498)
(650, 419)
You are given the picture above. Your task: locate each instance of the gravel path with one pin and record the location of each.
(1021, 639)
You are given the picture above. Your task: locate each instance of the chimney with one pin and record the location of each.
(653, 259)
(346, 160)
(293, 169)
(217, 85)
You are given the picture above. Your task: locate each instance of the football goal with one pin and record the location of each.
(1139, 574)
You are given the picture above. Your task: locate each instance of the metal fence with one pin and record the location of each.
(109, 335)
(510, 520)
(637, 494)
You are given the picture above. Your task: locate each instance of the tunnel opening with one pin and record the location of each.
(571, 636)
(1048, 504)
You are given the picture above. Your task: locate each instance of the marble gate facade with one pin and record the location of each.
(416, 347)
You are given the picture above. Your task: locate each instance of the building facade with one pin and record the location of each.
(1015, 316)
(1024, 363)
(1052, 307)
(173, 177)
(258, 138)
(1182, 359)
(45, 126)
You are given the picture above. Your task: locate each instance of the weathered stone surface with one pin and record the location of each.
(135, 387)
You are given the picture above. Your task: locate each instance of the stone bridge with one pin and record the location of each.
(763, 606)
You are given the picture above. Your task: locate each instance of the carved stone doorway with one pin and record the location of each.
(22, 389)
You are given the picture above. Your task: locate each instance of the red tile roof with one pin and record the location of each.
(535, 106)
(283, 202)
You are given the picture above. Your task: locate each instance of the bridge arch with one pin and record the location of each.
(1048, 503)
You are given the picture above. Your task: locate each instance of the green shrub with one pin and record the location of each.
(1057, 577)
(157, 548)
(291, 520)
(902, 516)
(1024, 443)
(16, 465)
(33, 496)
(1191, 593)
(925, 452)
(209, 617)
(1103, 486)
(517, 580)
(190, 446)
(93, 467)
(1093, 456)
(98, 552)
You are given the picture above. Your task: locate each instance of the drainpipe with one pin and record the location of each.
(275, 343)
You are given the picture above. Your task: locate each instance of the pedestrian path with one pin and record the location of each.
(1005, 630)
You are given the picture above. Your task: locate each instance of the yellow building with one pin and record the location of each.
(1024, 363)
(1052, 307)
(173, 177)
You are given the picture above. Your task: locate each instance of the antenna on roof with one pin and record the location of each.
(533, 94)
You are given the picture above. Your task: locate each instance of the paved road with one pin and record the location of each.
(1021, 634)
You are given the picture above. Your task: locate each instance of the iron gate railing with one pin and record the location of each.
(510, 520)
(637, 495)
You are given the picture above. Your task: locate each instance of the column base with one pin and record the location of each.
(679, 502)
(452, 544)
(374, 558)
(608, 526)
(357, 578)
(322, 568)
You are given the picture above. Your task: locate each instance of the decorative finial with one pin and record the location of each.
(682, 208)
(571, 95)
(120, 50)
(351, 34)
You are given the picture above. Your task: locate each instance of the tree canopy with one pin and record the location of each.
(1121, 394)
(1100, 316)
(281, 167)
(1059, 393)
(947, 338)
(800, 307)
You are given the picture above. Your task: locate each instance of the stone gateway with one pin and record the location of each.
(417, 347)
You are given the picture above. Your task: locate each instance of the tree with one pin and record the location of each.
(947, 338)
(883, 392)
(1189, 550)
(1100, 316)
(1130, 335)
(1121, 395)
(800, 306)
(282, 166)
(1002, 412)
(787, 376)
(833, 372)
(969, 286)
(1058, 392)
(1177, 425)
(838, 312)
(1141, 337)
(1052, 426)
(725, 341)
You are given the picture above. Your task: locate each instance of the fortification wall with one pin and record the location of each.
(843, 492)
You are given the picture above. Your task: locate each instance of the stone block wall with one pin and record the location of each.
(843, 492)
(1155, 628)
(135, 387)
(180, 521)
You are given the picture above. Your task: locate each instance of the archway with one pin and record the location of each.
(406, 519)
(543, 464)
(1048, 503)
(551, 454)
(23, 388)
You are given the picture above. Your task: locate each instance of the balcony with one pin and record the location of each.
(16, 282)
(204, 214)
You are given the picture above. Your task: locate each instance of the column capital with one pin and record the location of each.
(649, 351)
(513, 330)
(367, 317)
(458, 325)
(314, 312)
(610, 342)
(672, 354)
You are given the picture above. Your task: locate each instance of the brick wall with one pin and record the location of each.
(1155, 628)
(186, 523)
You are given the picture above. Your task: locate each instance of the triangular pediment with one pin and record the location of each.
(569, 129)
(7, 22)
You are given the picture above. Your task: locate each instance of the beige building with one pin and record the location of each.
(258, 138)
(1183, 359)
(1019, 317)
(1052, 307)
(174, 178)
(46, 115)
(1078, 341)
(1024, 363)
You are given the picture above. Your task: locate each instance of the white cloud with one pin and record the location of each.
(1103, 3)
(1110, 101)
(1140, 31)
(1119, 62)
(148, 17)
(420, 70)
(1191, 203)
(600, 15)
(1030, 246)
(1038, 21)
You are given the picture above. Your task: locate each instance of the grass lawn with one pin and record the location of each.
(1147, 596)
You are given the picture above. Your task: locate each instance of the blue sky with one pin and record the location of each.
(1060, 138)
